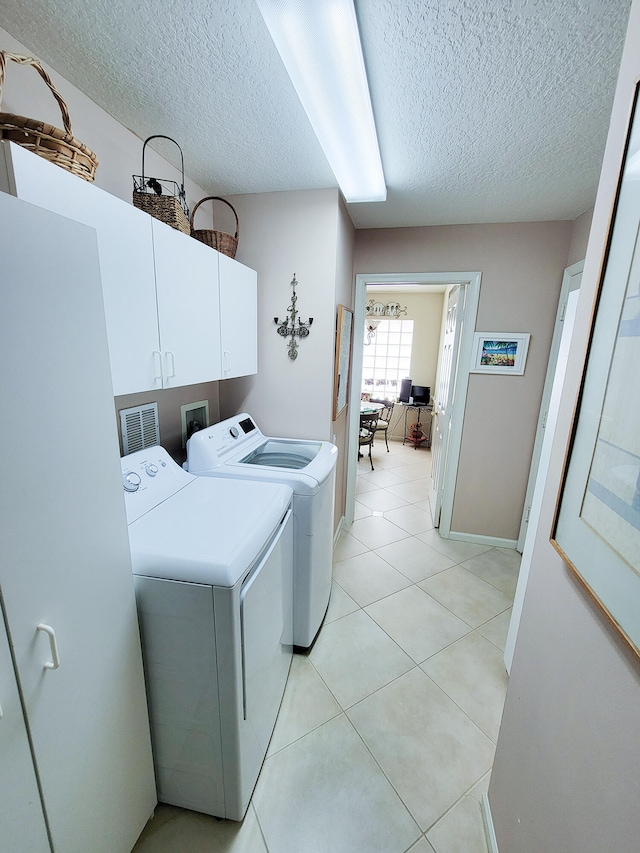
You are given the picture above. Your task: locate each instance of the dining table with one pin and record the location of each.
(367, 407)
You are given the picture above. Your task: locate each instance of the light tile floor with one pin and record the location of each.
(387, 730)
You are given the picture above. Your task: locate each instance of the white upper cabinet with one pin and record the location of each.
(188, 307)
(125, 249)
(238, 318)
(177, 312)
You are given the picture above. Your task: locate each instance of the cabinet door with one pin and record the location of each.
(188, 307)
(65, 557)
(238, 318)
(126, 262)
(22, 827)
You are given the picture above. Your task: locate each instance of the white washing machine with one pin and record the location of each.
(236, 448)
(212, 563)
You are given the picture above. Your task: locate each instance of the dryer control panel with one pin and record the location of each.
(149, 477)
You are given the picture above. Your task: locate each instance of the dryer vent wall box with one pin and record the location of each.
(140, 428)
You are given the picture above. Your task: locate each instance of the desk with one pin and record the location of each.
(422, 433)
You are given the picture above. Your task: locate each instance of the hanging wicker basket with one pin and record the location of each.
(218, 240)
(55, 145)
(161, 198)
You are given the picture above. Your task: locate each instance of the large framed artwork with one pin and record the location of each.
(342, 359)
(597, 524)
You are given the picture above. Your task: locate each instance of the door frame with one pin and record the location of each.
(472, 280)
(571, 279)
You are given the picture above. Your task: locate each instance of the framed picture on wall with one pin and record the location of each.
(344, 328)
(499, 352)
(597, 524)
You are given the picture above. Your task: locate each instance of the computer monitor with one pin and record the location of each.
(405, 390)
(421, 395)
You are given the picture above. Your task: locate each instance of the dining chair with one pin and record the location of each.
(384, 419)
(368, 423)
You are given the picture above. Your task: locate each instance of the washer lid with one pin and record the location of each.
(276, 453)
(209, 532)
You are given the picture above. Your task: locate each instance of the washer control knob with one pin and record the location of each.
(151, 469)
(131, 481)
(235, 432)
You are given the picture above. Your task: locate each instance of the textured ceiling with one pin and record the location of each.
(486, 110)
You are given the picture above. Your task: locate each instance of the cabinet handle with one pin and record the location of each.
(227, 360)
(173, 365)
(157, 355)
(1, 712)
(53, 644)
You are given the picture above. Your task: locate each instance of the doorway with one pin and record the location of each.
(440, 282)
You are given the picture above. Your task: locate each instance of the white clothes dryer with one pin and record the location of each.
(212, 563)
(236, 448)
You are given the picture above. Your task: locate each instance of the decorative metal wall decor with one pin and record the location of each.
(379, 309)
(291, 327)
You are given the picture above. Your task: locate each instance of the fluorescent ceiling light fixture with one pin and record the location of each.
(319, 43)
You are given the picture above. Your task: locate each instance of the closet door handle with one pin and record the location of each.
(226, 358)
(54, 663)
(173, 364)
(157, 355)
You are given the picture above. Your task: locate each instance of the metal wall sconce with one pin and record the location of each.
(291, 327)
(370, 327)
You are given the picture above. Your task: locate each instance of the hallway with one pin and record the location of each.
(387, 730)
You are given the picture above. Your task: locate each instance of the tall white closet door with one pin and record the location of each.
(65, 558)
(238, 318)
(22, 826)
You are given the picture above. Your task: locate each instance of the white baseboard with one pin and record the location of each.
(492, 842)
(336, 535)
(477, 539)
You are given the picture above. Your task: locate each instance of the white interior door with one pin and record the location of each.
(444, 398)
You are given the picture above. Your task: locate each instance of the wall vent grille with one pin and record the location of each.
(139, 427)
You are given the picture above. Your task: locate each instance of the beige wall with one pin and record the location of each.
(565, 775)
(580, 237)
(283, 234)
(522, 265)
(309, 234)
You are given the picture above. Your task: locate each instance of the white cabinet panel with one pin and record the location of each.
(177, 312)
(238, 318)
(65, 557)
(22, 826)
(188, 307)
(126, 261)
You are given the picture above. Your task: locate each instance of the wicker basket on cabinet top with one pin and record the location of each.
(57, 146)
(161, 198)
(219, 240)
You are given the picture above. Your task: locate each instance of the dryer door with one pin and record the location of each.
(266, 613)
